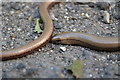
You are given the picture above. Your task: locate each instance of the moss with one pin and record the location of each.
(37, 26)
(76, 68)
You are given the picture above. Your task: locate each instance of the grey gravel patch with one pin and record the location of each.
(92, 25)
(47, 62)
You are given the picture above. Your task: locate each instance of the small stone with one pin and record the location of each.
(52, 68)
(20, 66)
(82, 14)
(13, 36)
(66, 13)
(12, 43)
(30, 18)
(109, 34)
(57, 26)
(73, 11)
(106, 16)
(24, 70)
(87, 16)
(65, 17)
(82, 49)
(51, 50)
(53, 17)
(9, 29)
(113, 28)
(90, 75)
(98, 33)
(74, 30)
(12, 12)
(18, 29)
(106, 27)
(36, 37)
(63, 48)
(39, 49)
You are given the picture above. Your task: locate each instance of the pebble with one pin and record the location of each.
(109, 34)
(12, 12)
(106, 16)
(97, 33)
(53, 17)
(57, 25)
(36, 37)
(63, 49)
(82, 14)
(87, 16)
(9, 29)
(74, 30)
(19, 29)
(118, 57)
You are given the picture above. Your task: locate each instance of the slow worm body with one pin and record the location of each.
(87, 40)
(39, 42)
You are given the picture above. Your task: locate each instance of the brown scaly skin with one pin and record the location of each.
(87, 40)
(39, 42)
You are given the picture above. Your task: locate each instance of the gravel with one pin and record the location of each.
(18, 22)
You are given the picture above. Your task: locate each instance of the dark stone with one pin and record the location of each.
(106, 74)
(69, 71)
(112, 58)
(103, 5)
(109, 34)
(7, 7)
(20, 66)
(30, 71)
(117, 74)
(118, 57)
(57, 26)
(15, 6)
(86, 54)
(69, 74)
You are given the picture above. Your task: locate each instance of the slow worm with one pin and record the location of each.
(37, 43)
(88, 40)
(83, 39)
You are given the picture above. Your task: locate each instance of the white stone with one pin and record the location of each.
(106, 17)
(63, 48)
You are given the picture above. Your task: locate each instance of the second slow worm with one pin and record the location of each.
(83, 39)
(88, 40)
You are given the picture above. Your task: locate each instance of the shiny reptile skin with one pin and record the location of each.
(83, 39)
